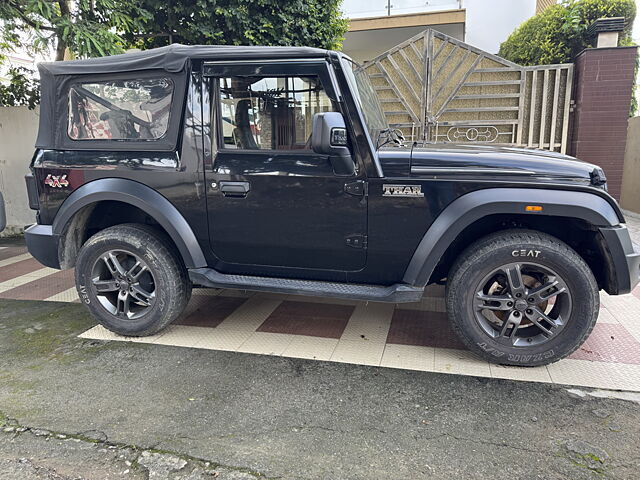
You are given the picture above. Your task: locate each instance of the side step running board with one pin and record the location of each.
(398, 293)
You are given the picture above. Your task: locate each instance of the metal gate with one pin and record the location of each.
(438, 89)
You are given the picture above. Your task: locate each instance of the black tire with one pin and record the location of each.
(485, 326)
(156, 297)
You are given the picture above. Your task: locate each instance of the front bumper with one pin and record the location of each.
(625, 257)
(43, 244)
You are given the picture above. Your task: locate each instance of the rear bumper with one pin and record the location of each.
(625, 257)
(43, 244)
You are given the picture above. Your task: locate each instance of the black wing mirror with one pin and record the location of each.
(329, 137)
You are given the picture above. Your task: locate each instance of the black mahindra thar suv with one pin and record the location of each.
(273, 169)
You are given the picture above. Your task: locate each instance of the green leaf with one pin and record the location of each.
(559, 33)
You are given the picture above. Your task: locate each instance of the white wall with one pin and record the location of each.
(18, 130)
(630, 198)
(380, 8)
(368, 44)
(490, 22)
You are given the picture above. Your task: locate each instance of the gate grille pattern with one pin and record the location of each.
(438, 89)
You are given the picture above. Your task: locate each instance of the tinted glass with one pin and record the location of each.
(274, 113)
(120, 109)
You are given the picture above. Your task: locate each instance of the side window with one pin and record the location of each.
(273, 113)
(120, 109)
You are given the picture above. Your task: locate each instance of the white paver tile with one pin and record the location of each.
(358, 352)
(605, 316)
(409, 357)
(16, 259)
(69, 295)
(250, 315)
(527, 374)
(29, 277)
(369, 323)
(199, 337)
(460, 361)
(626, 310)
(365, 336)
(265, 343)
(615, 376)
(313, 348)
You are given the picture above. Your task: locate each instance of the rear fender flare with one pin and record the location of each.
(143, 197)
(473, 206)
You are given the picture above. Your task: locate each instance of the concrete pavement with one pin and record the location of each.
(286, 418)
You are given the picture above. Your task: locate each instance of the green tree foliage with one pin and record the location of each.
(88, 28)
(22, 89)
(559, 33)
(314, 23)
(93, 28)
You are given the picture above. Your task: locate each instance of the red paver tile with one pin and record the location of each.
(426, 329)
(434, 290)
(43, 287)
(19, 268)
(12, 252)
(307, 318)
(211, 311)
(636, 291)
(609, 343)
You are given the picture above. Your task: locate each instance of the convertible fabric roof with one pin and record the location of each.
(56, 78)
(173, 58)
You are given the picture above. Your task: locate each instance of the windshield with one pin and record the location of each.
(366, 97)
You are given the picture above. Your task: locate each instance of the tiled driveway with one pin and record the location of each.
(409, 336)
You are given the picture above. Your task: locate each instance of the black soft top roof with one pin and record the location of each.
(56, 78)
(173, 58)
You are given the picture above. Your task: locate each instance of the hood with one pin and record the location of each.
(498, 162)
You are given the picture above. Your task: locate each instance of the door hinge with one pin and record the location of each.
(357, 188)
(357, 241)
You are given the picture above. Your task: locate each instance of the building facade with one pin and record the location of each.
(15, 59)
(378, 25)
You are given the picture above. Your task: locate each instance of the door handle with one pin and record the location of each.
(235, 189)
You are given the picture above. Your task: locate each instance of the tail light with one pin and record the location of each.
(32, 192)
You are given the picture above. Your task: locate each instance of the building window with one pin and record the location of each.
(273, 113)
(120, 109)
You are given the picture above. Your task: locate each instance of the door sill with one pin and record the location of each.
(398, 293)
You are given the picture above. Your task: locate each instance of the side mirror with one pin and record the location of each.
(329, 137)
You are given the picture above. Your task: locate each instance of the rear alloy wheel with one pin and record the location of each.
(123, 284)
(520, 297)
(131, 280)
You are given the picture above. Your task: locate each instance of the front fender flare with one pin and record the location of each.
(143, 197)
(473, 206)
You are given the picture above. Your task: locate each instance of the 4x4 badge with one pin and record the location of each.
(56, 181)
(402, 191)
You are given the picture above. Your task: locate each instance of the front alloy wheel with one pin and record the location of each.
(522, 304)
(521, 297)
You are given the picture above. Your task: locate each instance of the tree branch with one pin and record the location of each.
(25, 18)
(65, 12)
(64, 8)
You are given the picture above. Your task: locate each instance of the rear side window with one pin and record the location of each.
(134, 110)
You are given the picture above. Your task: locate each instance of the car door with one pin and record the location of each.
(272, 201)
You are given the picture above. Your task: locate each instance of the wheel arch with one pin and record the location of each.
(79, 206)
(507, 204)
